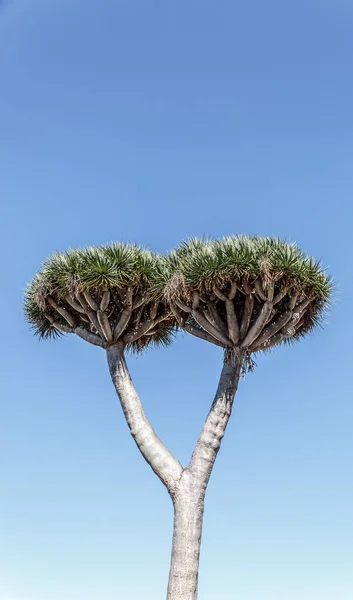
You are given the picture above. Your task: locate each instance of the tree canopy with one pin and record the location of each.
(239, 291)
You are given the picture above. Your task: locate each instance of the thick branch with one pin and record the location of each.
(63, 328)
(260, 322)
(154, 309)
(200, 333)
(203, 335)
(82, 301)
(212, 315)
(302, 306)
(293, 301)
(272, 329)
(90, 301)
(248, 308)
(105, 325)
(219, 294)
(213, 331)
(76, 305)
(139, 301)
(160, 459)
(276, 339)
(84, 318)
(105, 300)
(233, 327)
(90, 337)
(62, 311)
(125, 315)
(209, 442)
(288, 331)
(184, 307)
(278, 297)
(233, 290)
(122, 323)
(142, 329)
(94, 320)
(259, 290)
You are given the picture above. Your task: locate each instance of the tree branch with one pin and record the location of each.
(75, 305)
(248, 308)
(200, 333)
(182, 306)
(272, 329)
(62, 311)
(212, 315)
(219, 294)
(213, 331)
(203, 335)
(84, 317)
(122, 323)
(260, 322)
(90, 337)
(233, 290)
(278, 297)
(160, 459)
(288, 331)
(139, 301)
(125, 315)
(94, 320)
(90, 301)
(259, 290)
(233, 327)
(105, 325)
(209, 442)
(105, 300)
(302, 306)
(63, 328)
(141, 330)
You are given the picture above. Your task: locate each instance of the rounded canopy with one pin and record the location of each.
(251, 292)
(246, 292)
(103, 294)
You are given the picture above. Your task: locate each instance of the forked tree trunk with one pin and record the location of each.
(186, 486)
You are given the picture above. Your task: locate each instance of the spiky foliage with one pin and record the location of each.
(103, 294)
(251, 292)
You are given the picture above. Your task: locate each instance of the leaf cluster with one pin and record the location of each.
(196, 265)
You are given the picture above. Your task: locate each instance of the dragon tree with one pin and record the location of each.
(243, 294)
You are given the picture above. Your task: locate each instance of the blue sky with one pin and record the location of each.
(153, 122)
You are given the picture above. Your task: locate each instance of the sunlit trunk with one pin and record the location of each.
(188, 514)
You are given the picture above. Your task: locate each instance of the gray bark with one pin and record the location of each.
(209, 442)
(187, 531)
(191, 489)
(161, 460)
(187, 486)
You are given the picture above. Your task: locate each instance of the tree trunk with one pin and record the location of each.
(188, 516)
(189, 497)
(160, 459)
(187, 486)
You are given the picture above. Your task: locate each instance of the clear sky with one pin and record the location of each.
(153, 122)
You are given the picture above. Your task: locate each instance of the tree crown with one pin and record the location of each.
(97, 281)
(241, 290)
(264, 268)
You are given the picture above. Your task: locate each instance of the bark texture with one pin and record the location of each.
(161, 460)
(186, 486)
(191, 489)
(187, 531)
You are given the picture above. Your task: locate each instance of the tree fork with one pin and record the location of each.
(243, 294)
(187, 487)
(191, 489)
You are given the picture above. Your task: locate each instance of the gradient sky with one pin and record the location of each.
(153, 122)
